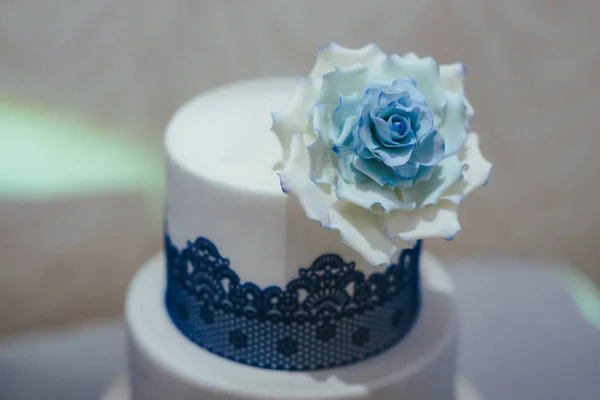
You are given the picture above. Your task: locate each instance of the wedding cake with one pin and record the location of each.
(294, 266)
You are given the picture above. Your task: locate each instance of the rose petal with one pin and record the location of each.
(426, 122)
(322, 163)
(423, 174)
(444, 175)
(321, 121)
(469, 112)
(401, 88)
(346, 137)
(475, 176)
(430, 150)
(394, 157)
(425, 72)
(348, 107)
(363, 136)
(440, 220)
(410, 111)
(454, 124)
(406, 172)
(294, 118)
(453, 76)
(343, 148)
(376, 170)
(334, 55)
(369, 193)
(342, 82)
(391, 139)
(382, 131)
(346, 164)
(295, 180)
(361, 230)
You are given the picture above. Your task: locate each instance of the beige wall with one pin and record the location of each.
(534, 71)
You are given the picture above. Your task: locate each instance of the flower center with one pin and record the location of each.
(396, 124)
(399, 128)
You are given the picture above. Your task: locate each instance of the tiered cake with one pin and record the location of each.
(293, 264)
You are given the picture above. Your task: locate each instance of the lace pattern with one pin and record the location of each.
(330, 315)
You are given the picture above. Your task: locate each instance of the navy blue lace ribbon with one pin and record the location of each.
(331, 315)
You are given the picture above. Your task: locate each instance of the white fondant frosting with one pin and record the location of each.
(166, 365)
(121, 390)
(222, 185)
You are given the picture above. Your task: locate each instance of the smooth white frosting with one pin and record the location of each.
(223, 135)
(166, 365)
(222, 185)
(121, 390)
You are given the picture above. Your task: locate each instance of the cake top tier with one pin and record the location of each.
(234, 148)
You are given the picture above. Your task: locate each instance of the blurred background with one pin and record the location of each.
(86, 88)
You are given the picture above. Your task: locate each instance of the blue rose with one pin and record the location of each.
(392, 139)
(376, 146)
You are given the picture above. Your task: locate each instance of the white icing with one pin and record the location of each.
(166, 365)
(223, 135)
(121, 390)
(222, 185)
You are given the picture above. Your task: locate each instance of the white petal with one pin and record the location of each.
(322, 164)
(453, 128)
(411, 56)
(438, 220)
(469, 112)
(294, 178)
(295, 118)
(336, 56)
(425, 72)
(369, 193)
(446, 174)
(361, 230)
(342, 82)
(475, 176)
(453, 76)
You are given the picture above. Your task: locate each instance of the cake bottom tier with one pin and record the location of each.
(121, 390)
(164, 364)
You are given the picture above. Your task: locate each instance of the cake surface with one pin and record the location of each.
(223, 135)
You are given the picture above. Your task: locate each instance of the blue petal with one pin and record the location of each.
(408, 127)
(362, 133)
(426, 122)
(394, 157)
(349, 106)
(404, 89)
(411, 111)
(388, 138)
(430, 149)
(346, 163)
(398, 123)
(381, 131)
(345, 139)
(370, 96)
(407, 171)
(423, 174)
(376, 170)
